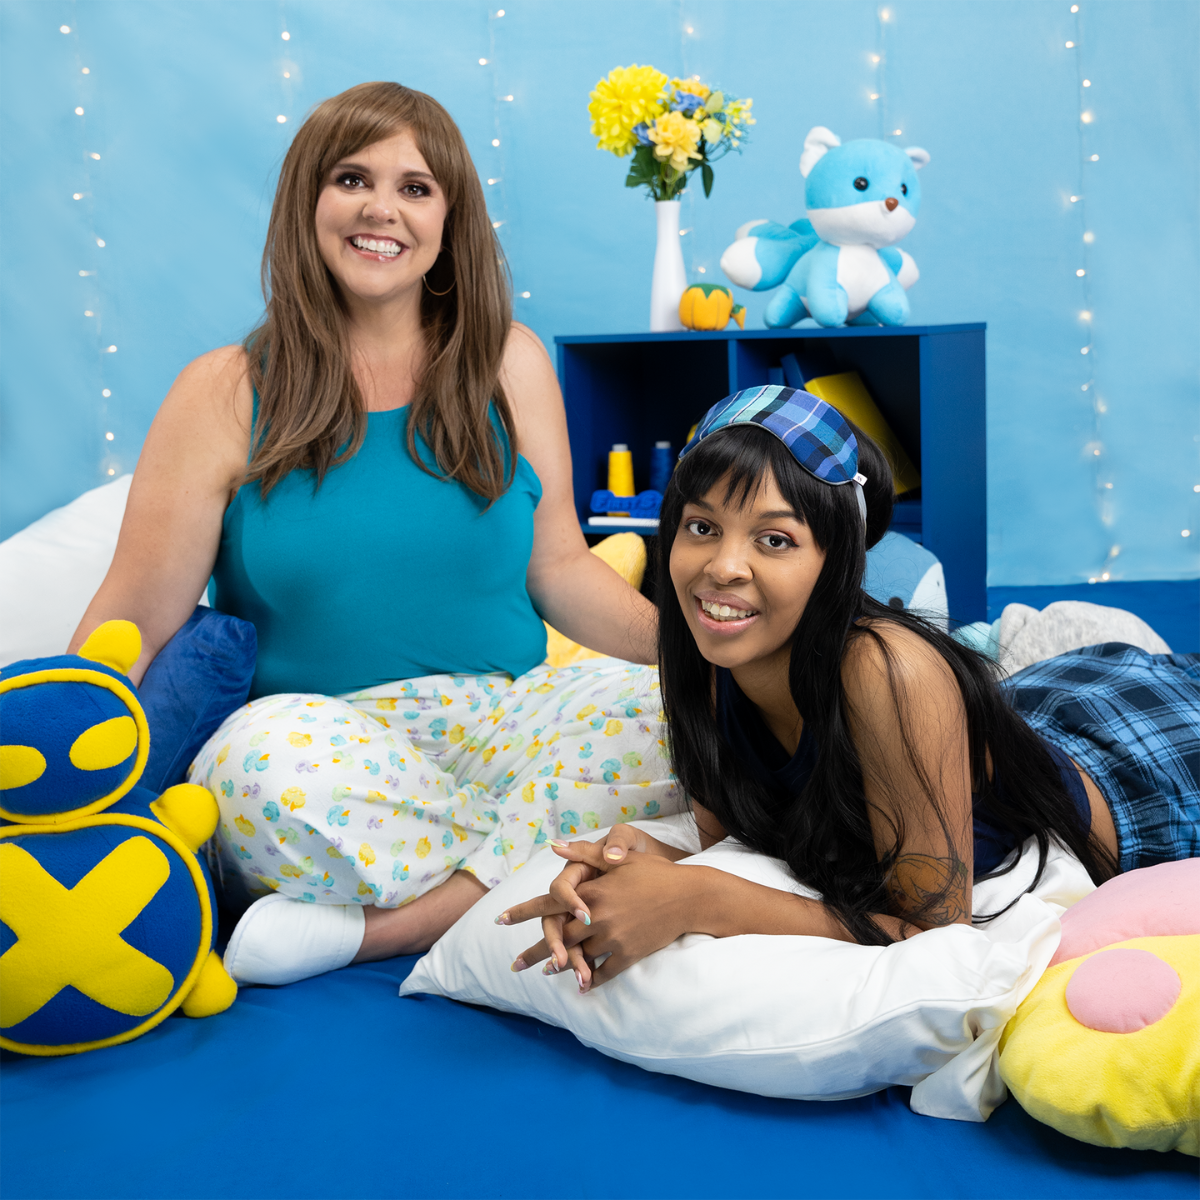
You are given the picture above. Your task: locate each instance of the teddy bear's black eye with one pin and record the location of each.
(904, 189)
(862, 183)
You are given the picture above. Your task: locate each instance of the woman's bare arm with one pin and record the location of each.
(575, 591)
(909, 725)
(191, 464)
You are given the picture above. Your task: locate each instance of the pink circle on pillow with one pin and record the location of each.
(1122, 991)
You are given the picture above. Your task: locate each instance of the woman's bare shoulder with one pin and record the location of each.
(882, 656)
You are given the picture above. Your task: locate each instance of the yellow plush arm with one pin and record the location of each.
(189, 811)
(213, 992)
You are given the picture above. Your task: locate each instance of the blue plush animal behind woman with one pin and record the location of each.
(840, 265)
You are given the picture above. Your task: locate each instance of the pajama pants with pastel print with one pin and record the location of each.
(376, 797)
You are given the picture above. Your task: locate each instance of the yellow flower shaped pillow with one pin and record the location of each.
(1106, 1048)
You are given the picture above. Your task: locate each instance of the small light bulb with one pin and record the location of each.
(1089, 237)
(1116, 549)
(64, 29)
(1101, 407)
(287, 37)
(492, 181)
(111, 350)
(1085, 315)
(1196, 487)
(108, 437)
(1084, 349)
(1076, 199)
(1105, 575)
(499, 12)
(874, 58)
(497, 224)
(1074, 8)
(1185, 532)
(1094, 158)
(483, 62)
(1087, 117)
(79, 112)
(281, 119)
(885, 14)
(86, 70)
(505, 97)
(524, 295)
(287, 74)
(87, 312)
(106, 393)
(1096, 452)
(94, 156)
(1070, 45)
(897, 132)
(702, 270)
(874, 95)
(1087, 83)
(1085, 387)
(76, 195)
(100, 242)
(1081, 272)
(690, 29)
(112, 470)
(495, 141)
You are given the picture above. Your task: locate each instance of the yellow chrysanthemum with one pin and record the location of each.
(629, 96)
(675, 138)
(692, 86)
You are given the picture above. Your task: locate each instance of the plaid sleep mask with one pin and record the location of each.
(818, 436)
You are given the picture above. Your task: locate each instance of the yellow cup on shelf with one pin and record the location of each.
(620, 473)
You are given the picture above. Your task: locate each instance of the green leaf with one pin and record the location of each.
(706, 174)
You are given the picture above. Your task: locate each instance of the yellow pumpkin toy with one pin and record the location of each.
(709, 306)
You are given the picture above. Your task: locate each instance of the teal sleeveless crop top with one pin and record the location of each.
(384, 573)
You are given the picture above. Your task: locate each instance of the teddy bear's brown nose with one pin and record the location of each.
(891, 203)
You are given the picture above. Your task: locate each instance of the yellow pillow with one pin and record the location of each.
(626, 554)
(1139, 1089)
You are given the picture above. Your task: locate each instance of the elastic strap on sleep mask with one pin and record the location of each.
(818, 436)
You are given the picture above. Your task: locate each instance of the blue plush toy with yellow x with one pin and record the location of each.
(107, 914)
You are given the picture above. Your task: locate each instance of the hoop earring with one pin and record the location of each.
(433, 293)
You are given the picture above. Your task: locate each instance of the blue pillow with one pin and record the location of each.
(199, 677)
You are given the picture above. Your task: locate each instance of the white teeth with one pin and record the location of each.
(391, 249)
(722, 612)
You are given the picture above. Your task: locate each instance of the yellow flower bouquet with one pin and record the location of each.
(670, 126)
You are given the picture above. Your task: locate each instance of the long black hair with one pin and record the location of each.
(824, 834)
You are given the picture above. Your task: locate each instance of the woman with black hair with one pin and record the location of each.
(871, 752)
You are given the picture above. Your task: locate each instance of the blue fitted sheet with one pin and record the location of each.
(336, 1087)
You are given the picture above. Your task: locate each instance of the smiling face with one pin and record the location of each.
(743, 576)
(379, 221)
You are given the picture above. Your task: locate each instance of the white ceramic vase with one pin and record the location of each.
(670, 278)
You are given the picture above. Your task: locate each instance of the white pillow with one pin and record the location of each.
(805, 1018)
(50, 571)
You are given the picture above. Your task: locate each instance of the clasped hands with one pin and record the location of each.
(623, 897)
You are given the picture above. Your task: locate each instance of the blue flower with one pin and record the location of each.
(685, 103)
(640, 132)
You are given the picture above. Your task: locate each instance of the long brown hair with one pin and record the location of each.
(311, 413)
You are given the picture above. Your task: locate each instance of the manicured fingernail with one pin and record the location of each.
(560, 845)
(551, 968)
(583, 988)
(614, 855)
(582, 915)
(502, 919)
(519, 965)
(579, 980)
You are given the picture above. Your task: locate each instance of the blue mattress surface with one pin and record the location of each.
(336, 1087)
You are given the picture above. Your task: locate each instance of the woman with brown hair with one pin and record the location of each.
(379, 478)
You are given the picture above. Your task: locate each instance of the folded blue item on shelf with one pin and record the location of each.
(644, 504)
(198, 678)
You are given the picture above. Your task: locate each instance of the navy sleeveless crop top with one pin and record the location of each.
(748, 736)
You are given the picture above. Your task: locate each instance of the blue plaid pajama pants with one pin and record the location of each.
(1131, 720)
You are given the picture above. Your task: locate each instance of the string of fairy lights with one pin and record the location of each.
(1094, 448)
(92, 296)
(495, 187)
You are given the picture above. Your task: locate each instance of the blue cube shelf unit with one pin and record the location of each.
(928, 381)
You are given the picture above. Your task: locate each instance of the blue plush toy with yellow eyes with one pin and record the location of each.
(107, 914)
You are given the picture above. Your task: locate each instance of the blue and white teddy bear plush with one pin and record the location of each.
(840, 265)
